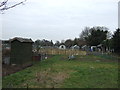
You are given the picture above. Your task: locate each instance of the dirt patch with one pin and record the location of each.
(64, 58)
(87, 58)
(48, 79)
(60, 77)
(9, 69)
(97, 59)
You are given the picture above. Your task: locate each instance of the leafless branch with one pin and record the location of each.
(3, 5)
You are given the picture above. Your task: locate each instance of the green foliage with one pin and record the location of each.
(116, 41)
(108, 43)
(96, 37)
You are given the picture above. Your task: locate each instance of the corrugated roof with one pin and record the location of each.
(22, 39)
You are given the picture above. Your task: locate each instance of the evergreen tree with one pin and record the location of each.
(116, 41)
(96, 37)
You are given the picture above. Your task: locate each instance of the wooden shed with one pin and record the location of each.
(21, 51)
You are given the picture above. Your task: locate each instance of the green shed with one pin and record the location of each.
(21, 51)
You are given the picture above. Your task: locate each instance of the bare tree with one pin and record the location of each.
(4, 5)
(85, 33)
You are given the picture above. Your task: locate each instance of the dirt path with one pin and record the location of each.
(9, 69)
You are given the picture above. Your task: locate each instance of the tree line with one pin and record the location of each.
(100, 35)
(89, 36)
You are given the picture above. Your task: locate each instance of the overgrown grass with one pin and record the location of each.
(83, 72)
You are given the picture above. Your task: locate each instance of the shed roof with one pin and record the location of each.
(22, 40)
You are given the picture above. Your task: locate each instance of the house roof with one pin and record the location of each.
(22, 40)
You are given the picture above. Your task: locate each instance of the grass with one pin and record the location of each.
(83, 72)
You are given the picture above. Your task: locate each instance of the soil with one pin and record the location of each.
(9, 69)
(96, 59)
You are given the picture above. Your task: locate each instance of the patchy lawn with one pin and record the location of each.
(58, 72)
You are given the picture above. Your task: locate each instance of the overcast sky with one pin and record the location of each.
(57, 19)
